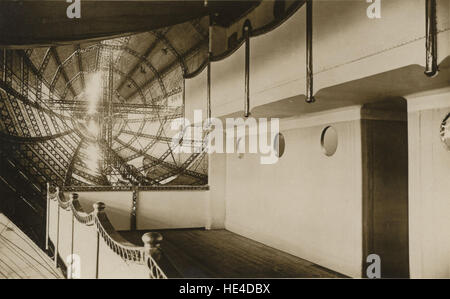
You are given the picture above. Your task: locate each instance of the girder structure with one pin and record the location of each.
(199, 29)
(183, 169)
(171, 66)
(143, 60)
(12, 174)
(27, 139)
(100, 47)
(149, 136)
(108, 111)
(145, 56)
(153, 118)
(179, 58)
(23, 96)
(70, 169)
(26, 101)
(59, 71)
(127, 171)
(80, 106)
(51, 113)
(80, 65)
(45, 61)
(160, 161)
(115, 70)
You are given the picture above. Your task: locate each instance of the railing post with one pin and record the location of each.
(99, 207)
(57, 231)
(152, 248)
(152, 243)
(47, 224)
(73, 197)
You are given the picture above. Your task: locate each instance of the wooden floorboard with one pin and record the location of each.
(197, 253)
(20, 257)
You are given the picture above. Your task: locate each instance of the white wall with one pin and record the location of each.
(118, 205)
(429, 188)
(155, 209)
(171, 209)
(347, 46)
(195, 91)
(307, 204)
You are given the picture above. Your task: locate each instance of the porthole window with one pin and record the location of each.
(279, 145)
(445, 131)
(329, 141)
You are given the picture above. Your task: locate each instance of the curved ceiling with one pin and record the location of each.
(42, 22)
(46, 129)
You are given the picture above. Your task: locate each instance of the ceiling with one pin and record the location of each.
(29, 23)
(44, 127)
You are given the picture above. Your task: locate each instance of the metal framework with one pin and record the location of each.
(36, 110)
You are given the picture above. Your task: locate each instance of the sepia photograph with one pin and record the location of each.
(244, 140)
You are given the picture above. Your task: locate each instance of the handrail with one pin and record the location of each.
(143, 255)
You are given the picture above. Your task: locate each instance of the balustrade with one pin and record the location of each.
(94, 247)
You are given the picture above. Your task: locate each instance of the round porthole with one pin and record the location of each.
(329, 141)
(240, 147)
(279, 145)
(445, 131)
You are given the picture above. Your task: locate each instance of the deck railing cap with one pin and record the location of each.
(99, 206)
(151, 239)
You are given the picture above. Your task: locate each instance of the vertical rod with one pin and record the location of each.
(247, 70)
(309, 53)
(97, 254)
(47, 225)
(73, 197)
(208, 92)
(184, 98)
(133, 220)
(431, 68)
(57, 240)
(208, 71)
(4, 65)
(71, 249)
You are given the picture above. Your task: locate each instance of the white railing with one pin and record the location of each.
(91, 247)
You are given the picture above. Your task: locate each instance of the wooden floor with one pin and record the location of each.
(20, 257)
(197, 253)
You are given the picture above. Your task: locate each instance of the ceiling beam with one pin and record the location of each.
(167, 165)
(37, 139)
(172, 49)
(80, 65)
(60, 71)
(69, 170)
(170, 67)
(146, 54)
(148, 136)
